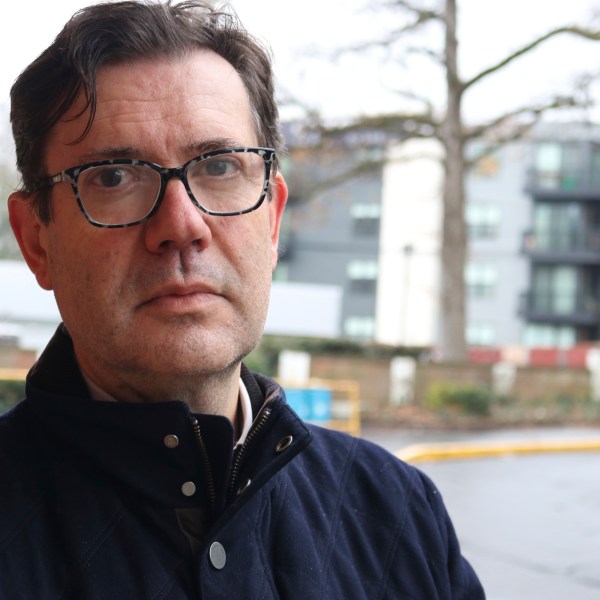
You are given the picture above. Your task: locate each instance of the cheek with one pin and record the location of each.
(245, 239)
(82, 268)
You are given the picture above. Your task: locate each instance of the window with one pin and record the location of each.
(366, 219)
(548, 336)
(558, 226)
(362, 275)
(481, 334)
(481, 280)
(548, 158)
(558, 166)
(554, 289)
(359, 327)
(482, 220)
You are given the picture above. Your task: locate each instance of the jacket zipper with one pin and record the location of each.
(261, 421)
(212, 491)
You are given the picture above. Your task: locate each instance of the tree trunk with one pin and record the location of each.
(453, 345)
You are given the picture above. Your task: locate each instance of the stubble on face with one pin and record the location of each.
(131, 342)
(157, 356)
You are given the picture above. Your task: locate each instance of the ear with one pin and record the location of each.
(276, 206)
(31, 235)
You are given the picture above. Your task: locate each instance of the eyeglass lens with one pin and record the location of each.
(117, 194)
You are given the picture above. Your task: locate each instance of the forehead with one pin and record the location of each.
(158, 107)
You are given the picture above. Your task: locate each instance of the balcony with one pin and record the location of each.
(564, 309)
(579, 183)
(579, 247)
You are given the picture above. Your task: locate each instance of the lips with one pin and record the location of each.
(182, 297)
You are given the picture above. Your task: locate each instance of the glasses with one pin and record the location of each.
(123, 192)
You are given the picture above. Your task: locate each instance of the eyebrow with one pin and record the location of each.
(192, 149)
(211, 145)
(108, 152)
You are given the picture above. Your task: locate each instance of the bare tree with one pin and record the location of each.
(450, 128)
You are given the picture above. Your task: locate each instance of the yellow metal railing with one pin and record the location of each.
(13, 374)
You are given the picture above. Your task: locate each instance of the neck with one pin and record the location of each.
(216, 393)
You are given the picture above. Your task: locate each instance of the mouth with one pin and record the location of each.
(182, 298)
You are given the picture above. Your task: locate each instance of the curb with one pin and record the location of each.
(460, 450)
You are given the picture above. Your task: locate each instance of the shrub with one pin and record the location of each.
(470, 400)
(11, 392)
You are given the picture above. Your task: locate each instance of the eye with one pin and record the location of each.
(111, 176)
(219, 166)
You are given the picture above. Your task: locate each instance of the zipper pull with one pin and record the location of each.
(212, 490)
(259, 423)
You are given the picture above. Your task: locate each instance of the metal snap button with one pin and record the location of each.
(286, 442)
(217, 555)
(171, 441)
(188, 488)
(244, 487)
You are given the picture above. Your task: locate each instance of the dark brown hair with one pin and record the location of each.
(118, 32)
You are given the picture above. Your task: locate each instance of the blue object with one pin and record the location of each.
(298, 401)
(310, 404)
(320, 404)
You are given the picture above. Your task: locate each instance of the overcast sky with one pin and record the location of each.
(301, 33)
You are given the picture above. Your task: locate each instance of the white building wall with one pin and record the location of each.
(304, 309)
(27, 312)
(410, 241)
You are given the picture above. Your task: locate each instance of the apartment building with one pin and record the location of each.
(533, 270)
(561, 304)
(331, 229)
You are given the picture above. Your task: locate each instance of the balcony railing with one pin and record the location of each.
(582, 309)
(562, 182)
(561, 242)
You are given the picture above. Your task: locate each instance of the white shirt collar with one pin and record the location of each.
(246, 407)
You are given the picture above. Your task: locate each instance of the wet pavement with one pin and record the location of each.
(529, 524)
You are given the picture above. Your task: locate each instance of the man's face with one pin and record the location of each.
(184, 293)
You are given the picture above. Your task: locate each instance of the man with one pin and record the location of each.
(146, 462)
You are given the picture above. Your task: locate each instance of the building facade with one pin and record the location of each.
(561, 305)
(331, 229)
(497, 211)
(533, 218)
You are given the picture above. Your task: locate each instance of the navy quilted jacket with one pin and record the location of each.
(111, 501)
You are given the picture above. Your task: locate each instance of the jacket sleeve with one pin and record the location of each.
(463, 582)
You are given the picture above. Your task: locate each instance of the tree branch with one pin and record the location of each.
(420, 17)
(517, 129)
(365, 167)
(429, 107)
(391, 125)
(535, 110)
(357, 170)
(435, 56)
(590, 34)
(387, 41)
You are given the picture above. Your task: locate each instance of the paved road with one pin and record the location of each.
(530, 525)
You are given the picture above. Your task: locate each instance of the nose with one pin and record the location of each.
(177, 223)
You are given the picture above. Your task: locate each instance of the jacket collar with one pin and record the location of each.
(134, 444)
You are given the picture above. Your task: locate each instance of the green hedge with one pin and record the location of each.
(470, 400)
(265, 358)
(11, 392)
